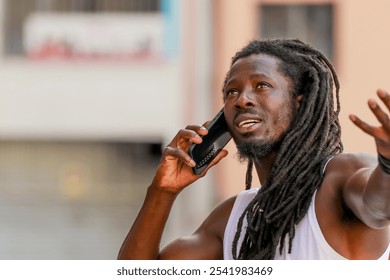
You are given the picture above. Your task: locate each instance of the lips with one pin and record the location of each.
(247, 122)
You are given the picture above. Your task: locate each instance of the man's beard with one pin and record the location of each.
(256, 149)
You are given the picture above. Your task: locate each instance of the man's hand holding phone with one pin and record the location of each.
(178, 168)
(213, 142)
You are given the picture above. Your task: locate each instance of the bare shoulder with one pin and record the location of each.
(357, 160)
(338, 172)
(344, 165)
(215, 223)
(207, 241)
(339, 205)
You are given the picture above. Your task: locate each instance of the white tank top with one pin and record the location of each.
(308, 244)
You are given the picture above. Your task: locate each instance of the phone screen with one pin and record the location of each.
(213, 142)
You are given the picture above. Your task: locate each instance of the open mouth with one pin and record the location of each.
(248, 123)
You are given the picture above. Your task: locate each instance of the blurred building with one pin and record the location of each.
(91, 90)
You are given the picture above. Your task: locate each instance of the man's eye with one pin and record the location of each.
(231, 91)
(262, 85)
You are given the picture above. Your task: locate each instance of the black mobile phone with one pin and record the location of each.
(213, 142)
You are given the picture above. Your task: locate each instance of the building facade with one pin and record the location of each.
(91, 91)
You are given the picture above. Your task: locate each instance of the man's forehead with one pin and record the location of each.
(263, 62)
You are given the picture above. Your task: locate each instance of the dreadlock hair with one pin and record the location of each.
(313, 138)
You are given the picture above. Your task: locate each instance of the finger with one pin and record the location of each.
(381, 116)
(385, 97)
(191, 134)
(192, 131)
(185, 137)
(199, 129)
(362, 125)
(171, 153)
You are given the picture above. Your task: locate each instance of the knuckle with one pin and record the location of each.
(165, 151)
(168, 150)
(187, 133)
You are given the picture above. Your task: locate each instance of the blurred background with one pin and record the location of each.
(91, 90)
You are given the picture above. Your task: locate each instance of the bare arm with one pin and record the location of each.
(143, 239)
(367, 193)
(173, 175)
(207, 241)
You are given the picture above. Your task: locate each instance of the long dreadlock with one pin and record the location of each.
(297, 172)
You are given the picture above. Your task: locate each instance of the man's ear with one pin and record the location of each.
(298, 99)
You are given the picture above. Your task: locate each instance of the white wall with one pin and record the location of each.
(108, 101)
(88, 100)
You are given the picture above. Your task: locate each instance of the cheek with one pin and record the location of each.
(228, 118)
(284, 119)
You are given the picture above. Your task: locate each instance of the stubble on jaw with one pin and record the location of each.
(255, 150)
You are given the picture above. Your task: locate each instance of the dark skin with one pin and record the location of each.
(352, 203)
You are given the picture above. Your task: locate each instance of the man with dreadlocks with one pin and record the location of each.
(315, 202)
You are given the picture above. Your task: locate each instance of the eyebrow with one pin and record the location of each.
(253, 76)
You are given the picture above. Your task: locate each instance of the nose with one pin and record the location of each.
(245, 99)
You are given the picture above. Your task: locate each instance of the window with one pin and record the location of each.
(17, 11)
(312, 24)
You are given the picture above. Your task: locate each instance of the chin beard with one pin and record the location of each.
(256, 149)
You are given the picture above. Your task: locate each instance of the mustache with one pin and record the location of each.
(246, 111)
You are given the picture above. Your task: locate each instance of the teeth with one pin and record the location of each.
(248, 123)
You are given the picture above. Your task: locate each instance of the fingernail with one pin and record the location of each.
(192, 163)
(381, 93)
(371, 103)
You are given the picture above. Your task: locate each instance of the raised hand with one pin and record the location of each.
(175, 170)
(380, 133)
